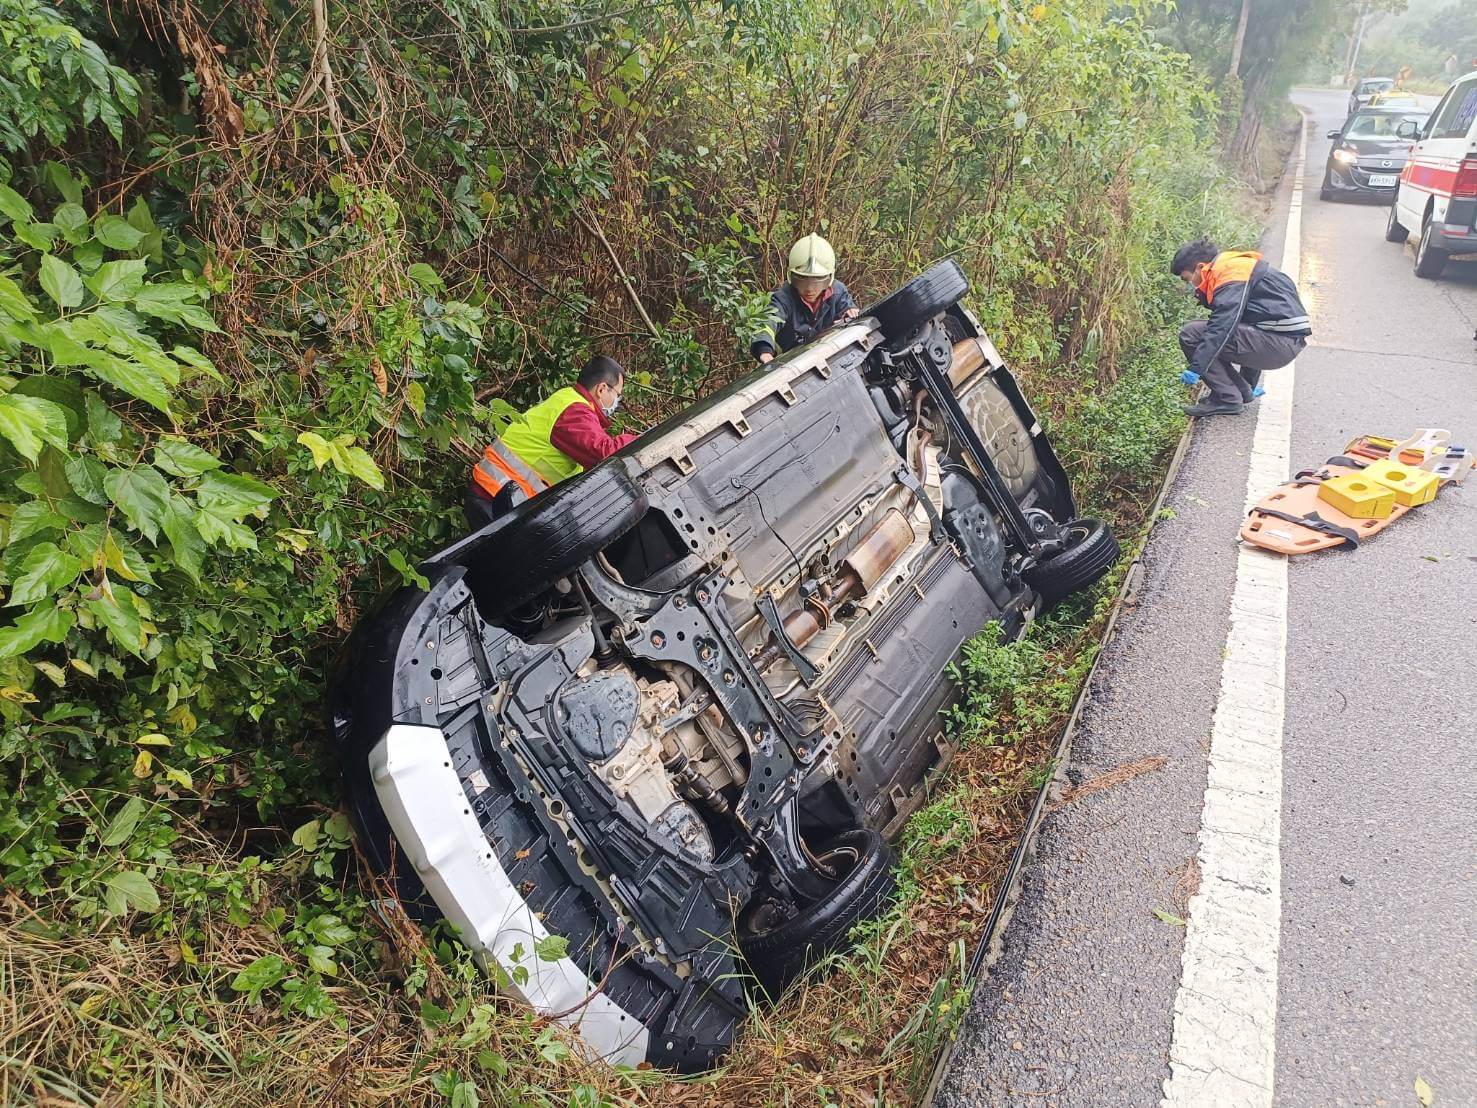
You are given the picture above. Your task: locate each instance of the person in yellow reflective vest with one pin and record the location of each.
(553, 440)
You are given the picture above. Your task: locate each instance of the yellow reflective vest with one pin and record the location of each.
(529, 436)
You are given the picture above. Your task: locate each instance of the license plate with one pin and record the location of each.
(1383, 180)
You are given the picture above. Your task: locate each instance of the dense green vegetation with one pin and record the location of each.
(271, 273)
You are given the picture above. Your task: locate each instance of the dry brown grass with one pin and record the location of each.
(118, 1017)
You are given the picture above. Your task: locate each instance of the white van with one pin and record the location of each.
(1437, 194)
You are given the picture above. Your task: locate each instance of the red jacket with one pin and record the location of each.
(582, 433)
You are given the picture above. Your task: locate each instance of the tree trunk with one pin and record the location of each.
(1249, 125)
(1235, 67)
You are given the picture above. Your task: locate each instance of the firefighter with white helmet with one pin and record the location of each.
(806, 304)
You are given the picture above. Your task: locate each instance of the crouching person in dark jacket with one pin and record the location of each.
(805, 305)
(1257, 322)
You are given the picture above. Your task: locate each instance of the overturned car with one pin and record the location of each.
(671, 711)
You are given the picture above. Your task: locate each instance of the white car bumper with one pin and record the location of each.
(435, 828)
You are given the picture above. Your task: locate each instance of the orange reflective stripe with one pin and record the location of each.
(492, 472)
(1229, 267)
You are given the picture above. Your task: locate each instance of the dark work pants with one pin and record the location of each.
(1251, 348)
(482, 509)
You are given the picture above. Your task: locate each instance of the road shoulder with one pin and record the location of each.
(1078, 1008)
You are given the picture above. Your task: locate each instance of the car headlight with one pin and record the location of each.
(1347, 157)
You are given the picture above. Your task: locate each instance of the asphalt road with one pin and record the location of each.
(1378, 958)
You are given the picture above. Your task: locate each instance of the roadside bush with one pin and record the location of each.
(269, 279)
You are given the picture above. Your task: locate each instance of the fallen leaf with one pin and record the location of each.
(521, 854)
(1423, 1091)
(97, 1000)
(1169, 917)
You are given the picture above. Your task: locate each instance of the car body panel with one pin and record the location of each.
(1379, 152)
(1426, 183)
(672, 730)
(423, 800)
(1363, 90)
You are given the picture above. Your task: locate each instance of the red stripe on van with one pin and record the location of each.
(1430, 177)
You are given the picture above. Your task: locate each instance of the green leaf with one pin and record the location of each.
(103, 423)
(415, 396)
(184, 537)
(62, 391)
(129, 889)
(64, 181)
(357, 463)
(183, 459)
(38, 236)
(121, 826)
(142, 494)
(263, 974)
(1169, 917)
(233, 495)
(551, 948)
(52, 672)
(123, 558)
(117, 233)
(408, 573)
(88, 256)
(133, 378)
(176, 303)
(216, 529)
(320, 960)
(86, 474)
(117, 281)
(60, 281)
(339, 828)
(29, 422)
(118, 614)
(140, 218)
(33, 518)
(330, 930)
(71, 221)
(319, 447)
(47, 623)
(46, 569)
(306, 836)
(190, 356)
(14, 205)
(425, 276)
(14, 302)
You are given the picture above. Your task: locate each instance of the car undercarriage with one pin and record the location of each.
(645, 740)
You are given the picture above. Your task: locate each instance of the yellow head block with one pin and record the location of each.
(1356, 495)
(1411, 486)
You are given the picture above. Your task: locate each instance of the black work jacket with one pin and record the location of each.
(791, 323)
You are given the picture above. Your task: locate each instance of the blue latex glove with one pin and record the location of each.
(1190, 377)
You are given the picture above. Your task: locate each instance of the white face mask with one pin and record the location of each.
(610, 411)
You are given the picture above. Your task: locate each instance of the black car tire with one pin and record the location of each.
(1429, 261)
(901, 313)
(1324, 192)
(1090, 552)
(778, 954)
(553, 533)
(1394, 232)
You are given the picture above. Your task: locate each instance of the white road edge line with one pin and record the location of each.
(1223, 1051)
